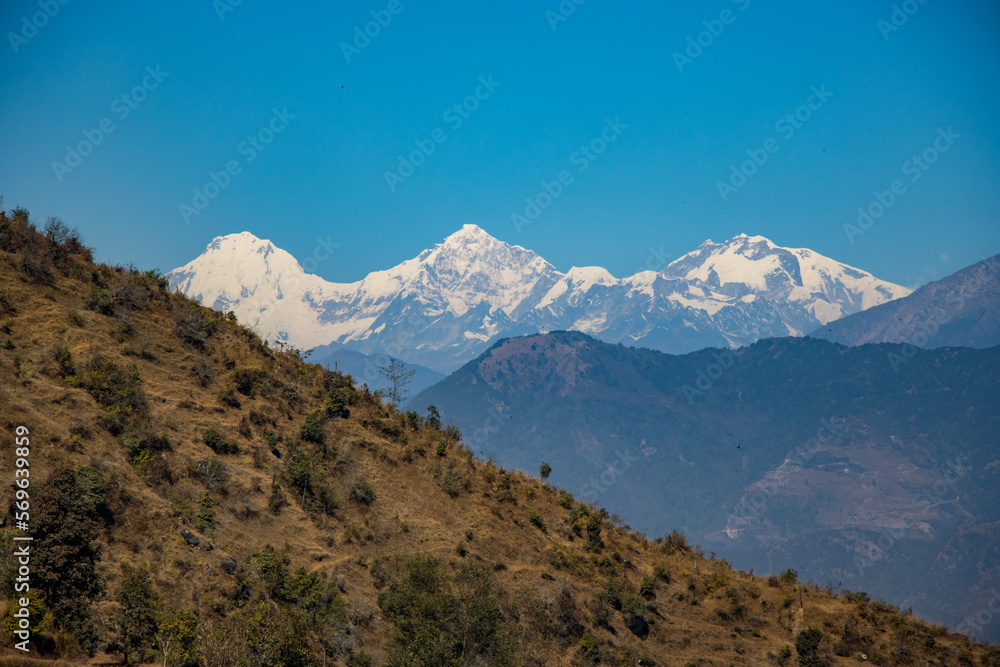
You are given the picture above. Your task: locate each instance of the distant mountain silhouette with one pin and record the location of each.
(858, 471)
(960, 310)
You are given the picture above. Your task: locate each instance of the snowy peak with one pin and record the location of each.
(469, 234)
(454, 299)
(236, 260)
(471, 267)
(754, 265)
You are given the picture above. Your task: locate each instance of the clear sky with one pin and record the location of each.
(345, 115)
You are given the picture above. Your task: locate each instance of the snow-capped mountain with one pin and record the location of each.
(445, 306)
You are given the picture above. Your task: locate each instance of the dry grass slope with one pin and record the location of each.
(205, 445)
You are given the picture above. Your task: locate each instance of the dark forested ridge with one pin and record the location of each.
(871, 467)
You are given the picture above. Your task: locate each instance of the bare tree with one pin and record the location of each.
(399, 376)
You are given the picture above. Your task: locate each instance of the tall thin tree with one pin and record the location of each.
(399, 376)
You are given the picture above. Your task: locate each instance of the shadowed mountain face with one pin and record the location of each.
(856, 465)
(960, 310)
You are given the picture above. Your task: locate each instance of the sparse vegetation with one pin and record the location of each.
(789, 576)
(217, 446)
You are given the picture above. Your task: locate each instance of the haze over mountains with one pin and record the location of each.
(962, 309)
(250, 508)
(448, 304)
(791, 452)
(790, 446)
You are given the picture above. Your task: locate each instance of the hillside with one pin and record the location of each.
(792, 452)
(198, 497)
(961, 310)
(364, 368)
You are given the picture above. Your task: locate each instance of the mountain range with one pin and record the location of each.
(862, 473)
(961, 310)
(451, 302)
(198, 496)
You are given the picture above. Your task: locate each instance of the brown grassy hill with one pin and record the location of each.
(198, 497)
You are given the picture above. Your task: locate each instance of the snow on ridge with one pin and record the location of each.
(471, 272)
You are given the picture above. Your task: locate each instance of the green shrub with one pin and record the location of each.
(648, 588)
(127, 292)
(7, 305)
(133, 623)
(676, 542)
(177, 637)
(303, 468)
(789, 576)
(64, 358)
(219, 443)
(807, 647)
(613, 593)
(444, 619)
(312, 428)
(337, 402)
(276, 500)
(193, 327)
(36, 265)
(119, 390)
(590, 647)
(227, 395)
(271, 438)
(433, 417)
(206, 515)
(249, 381)
(536, 519)
(360, 659)
(363, 493)
(594, 542)
(545, 470)
(99, 300)
(65, 553)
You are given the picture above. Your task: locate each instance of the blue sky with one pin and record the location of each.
(340, 127)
